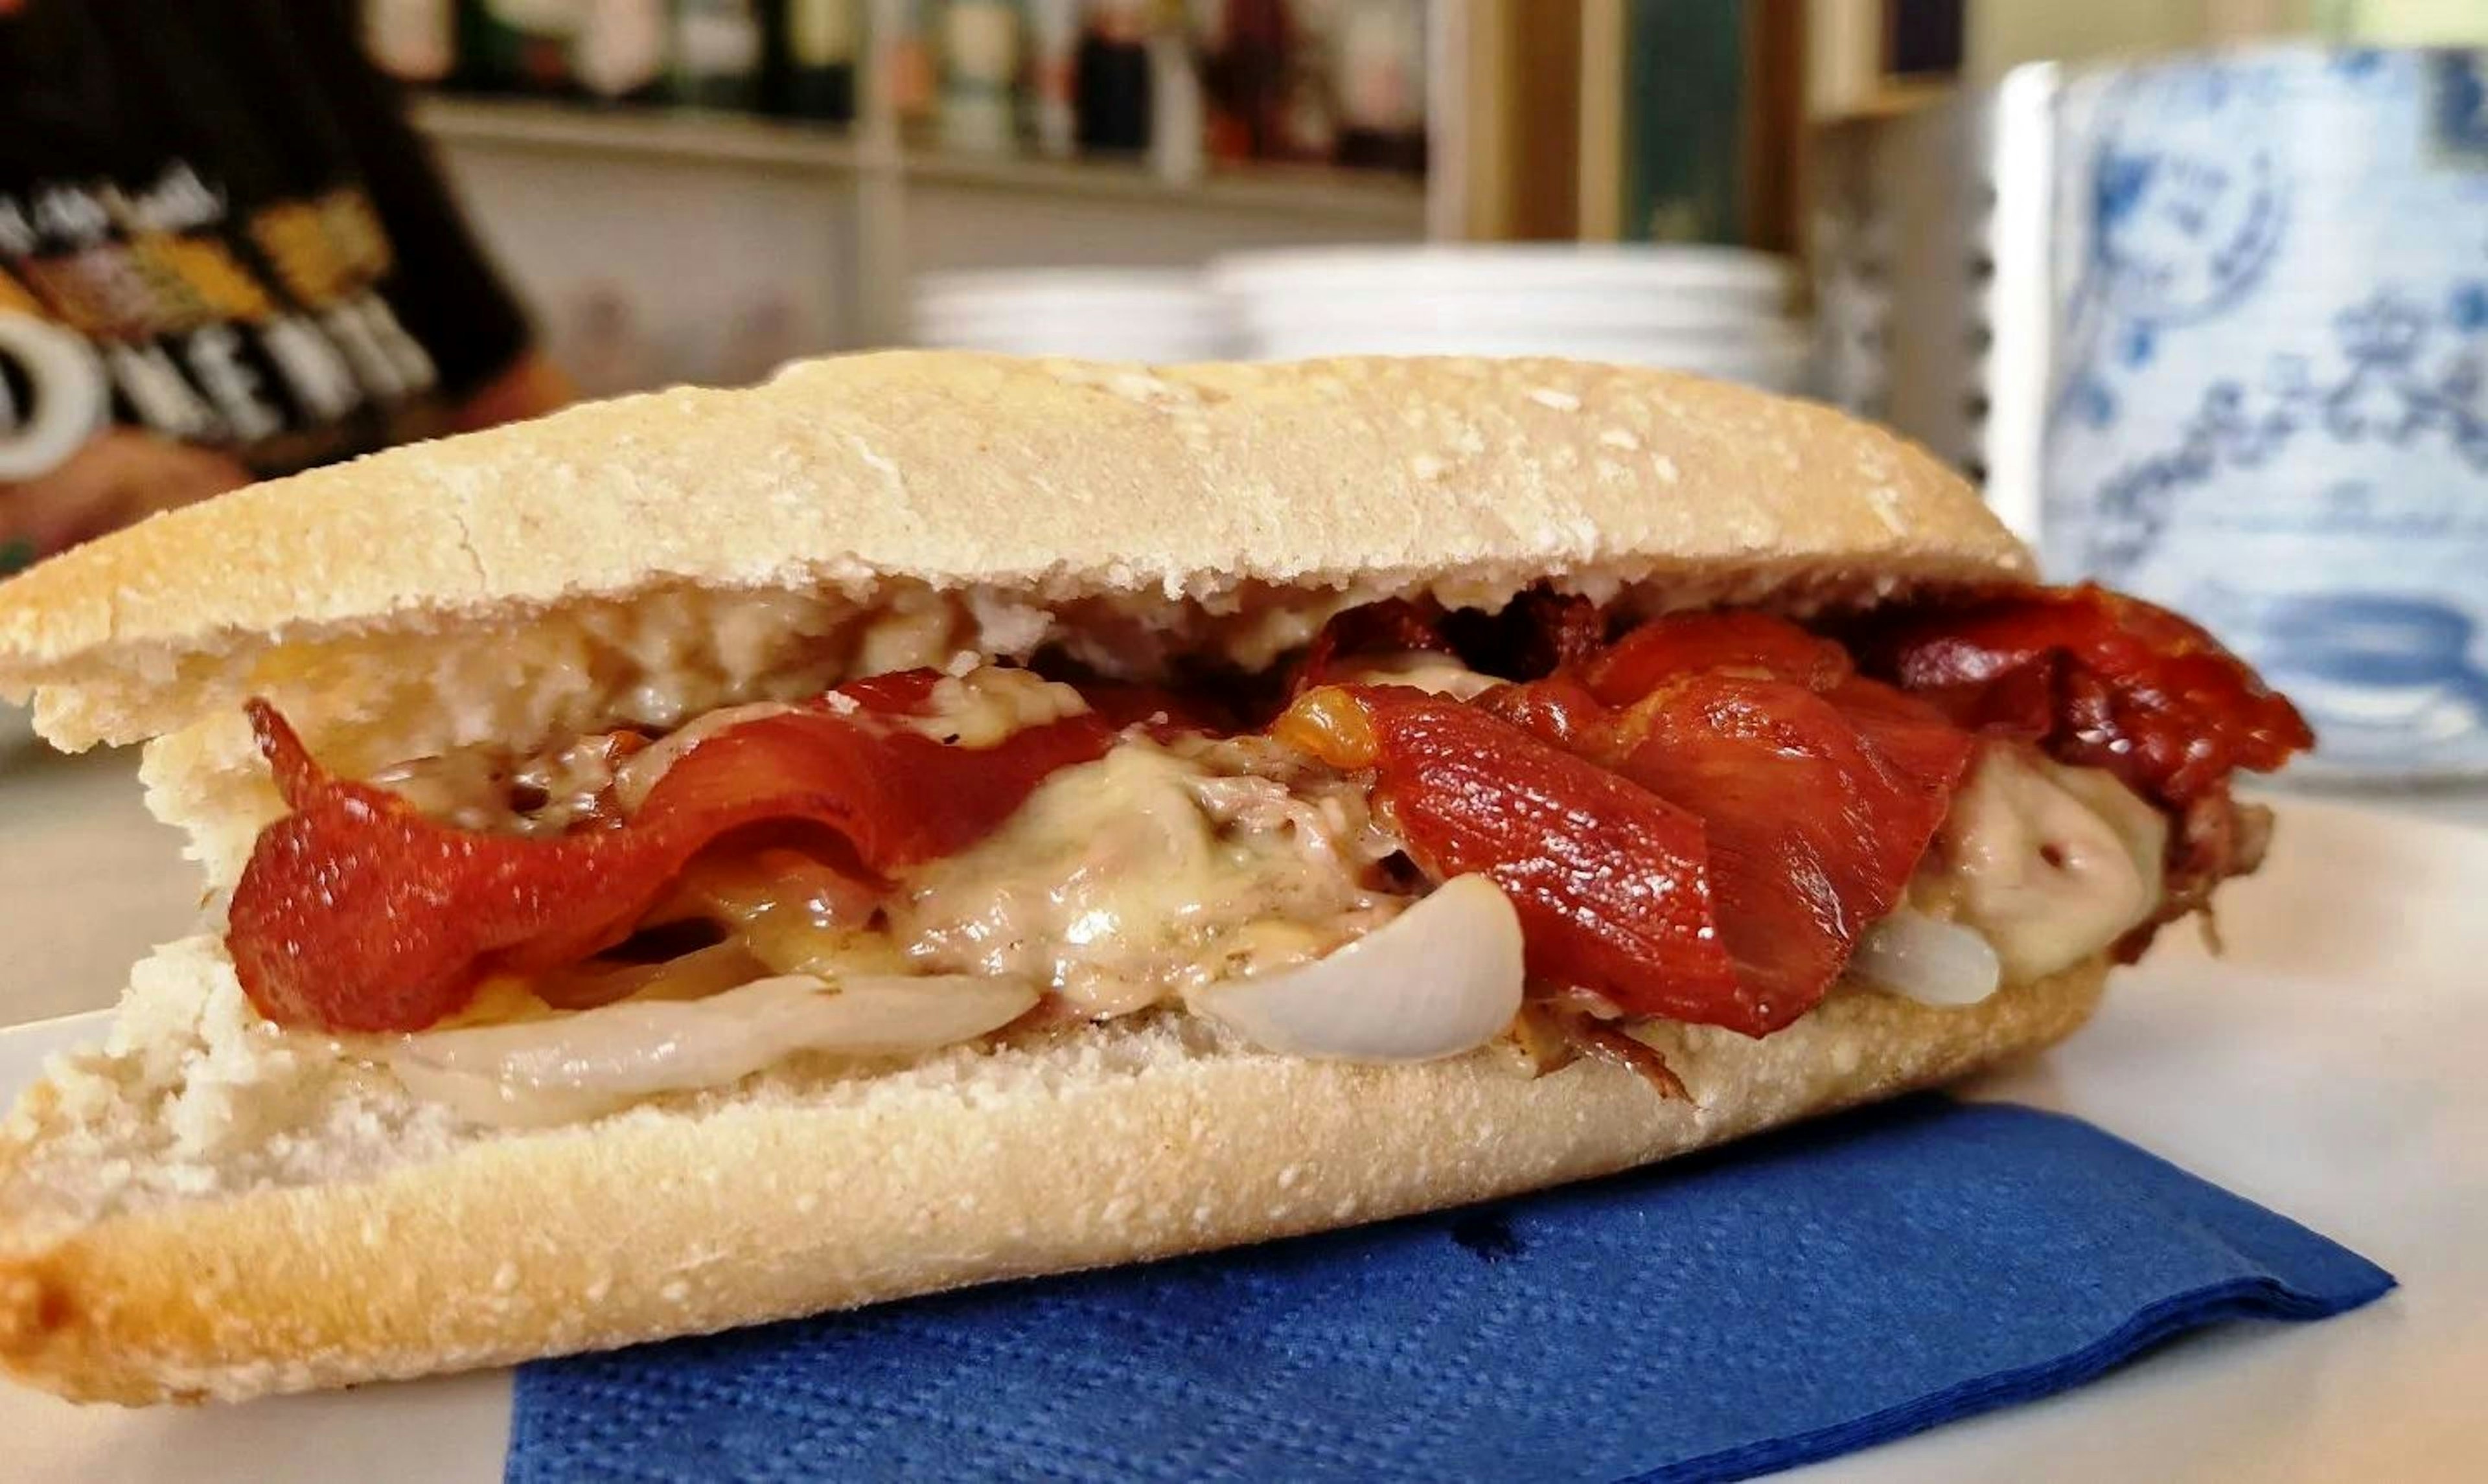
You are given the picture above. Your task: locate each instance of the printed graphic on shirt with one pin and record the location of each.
(263, 331)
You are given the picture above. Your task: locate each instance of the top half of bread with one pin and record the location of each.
(637, 559)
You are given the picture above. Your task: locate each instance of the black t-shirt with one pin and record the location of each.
(224, 198)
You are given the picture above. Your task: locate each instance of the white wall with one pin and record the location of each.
(983, 227)
(716, 267)
(723, 268)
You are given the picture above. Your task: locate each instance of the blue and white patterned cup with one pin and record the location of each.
(2269, 405)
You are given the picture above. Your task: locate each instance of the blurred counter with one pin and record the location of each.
(88, 880)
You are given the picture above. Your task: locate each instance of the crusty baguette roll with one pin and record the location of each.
(212, 1209)
(659, 554)
(389, 1246)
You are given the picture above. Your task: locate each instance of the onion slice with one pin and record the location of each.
(1442, 978)
(580, 1066)
(1931, 961)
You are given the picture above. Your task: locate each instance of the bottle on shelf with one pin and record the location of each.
(414, 40)
(813, 50)
(1053, 65)
(1303, 117)
(1179, 117)
(902, 57)
(622, 51)
(1382, 86)
(517, 46)
(716, 53)
(1249, 48)
(1111, 78)
(981, 45)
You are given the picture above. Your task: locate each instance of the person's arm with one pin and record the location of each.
(532, 386)
(116, 477)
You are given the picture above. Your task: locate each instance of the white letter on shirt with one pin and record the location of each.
(314, 369)
(161, 398)
(213, 352)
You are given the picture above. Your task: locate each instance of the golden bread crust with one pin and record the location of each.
(756, 1207)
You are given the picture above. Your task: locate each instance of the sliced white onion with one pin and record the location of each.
(2051, 863)
(1931, 961)
(1442, 978)
(577, 1065)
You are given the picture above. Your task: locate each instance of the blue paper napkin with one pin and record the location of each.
(1775, 1302)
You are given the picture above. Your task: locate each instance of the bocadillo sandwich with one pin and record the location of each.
(934, 818)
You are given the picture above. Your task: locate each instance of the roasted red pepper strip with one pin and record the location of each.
(1609, 880)
(359, 914)
(1559, 710)
(1565, 630)
(1691, 643)
(1541, 632)
(1163, 713)
(1816, 807)
(1393, 626)
(1818, 790)
(1538, 634)
(2100, 679)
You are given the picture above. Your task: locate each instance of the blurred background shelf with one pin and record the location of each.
(1366, 198)
(683, 136)
(753, 240)
(708, 226)
(696, 137)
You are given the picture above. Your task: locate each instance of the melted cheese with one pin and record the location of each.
(1422, 669)
(1150, 871)
(1165, 867)
(2051, 863)
(988, 704)
(481, 789)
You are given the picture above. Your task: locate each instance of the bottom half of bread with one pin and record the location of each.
(767, 1205)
